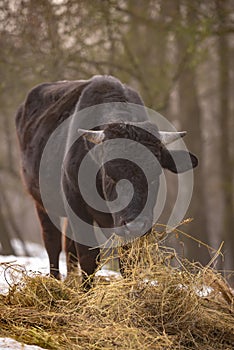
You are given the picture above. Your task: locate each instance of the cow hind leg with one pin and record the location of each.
(52, 237)
(71, 252)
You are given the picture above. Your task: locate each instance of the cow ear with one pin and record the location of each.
(94, 136)
(178, 161)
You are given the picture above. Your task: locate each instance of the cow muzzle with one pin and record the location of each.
(133, 229)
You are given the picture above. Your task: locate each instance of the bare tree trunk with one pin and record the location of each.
(7, 216)
(190, 116)
(5, 239)
(8, 221)
(224, 127)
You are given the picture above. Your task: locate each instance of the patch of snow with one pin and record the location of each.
(8, 343)
(108, 274)
(12, 268)
(150, 282)
(204, 291)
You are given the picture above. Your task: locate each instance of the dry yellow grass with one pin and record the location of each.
(156, 306)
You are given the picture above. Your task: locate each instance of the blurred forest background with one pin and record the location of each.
(178, 54)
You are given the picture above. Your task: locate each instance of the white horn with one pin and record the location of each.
(95, 136)
(171, 136)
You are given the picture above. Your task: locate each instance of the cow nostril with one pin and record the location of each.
(135, 226)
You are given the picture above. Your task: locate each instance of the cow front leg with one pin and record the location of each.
(52, 238)
(89, 259)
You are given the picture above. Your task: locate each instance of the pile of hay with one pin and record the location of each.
(156, 306)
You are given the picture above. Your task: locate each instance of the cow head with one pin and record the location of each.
(116, 171)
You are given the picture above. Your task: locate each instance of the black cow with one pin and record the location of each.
(49, 105)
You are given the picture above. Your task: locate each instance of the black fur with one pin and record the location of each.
(48, 105)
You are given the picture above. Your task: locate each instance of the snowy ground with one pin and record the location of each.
(8, 343)
(38, 263)
(12, 267)
(11, 270)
